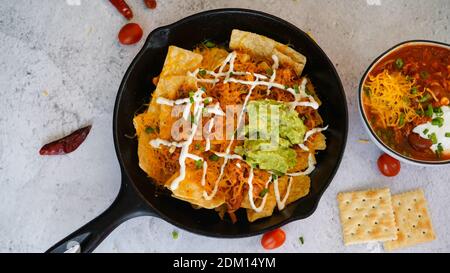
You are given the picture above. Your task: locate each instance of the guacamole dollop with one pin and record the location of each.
(272, 130)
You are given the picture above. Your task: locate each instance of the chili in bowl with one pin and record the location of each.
(404, 102)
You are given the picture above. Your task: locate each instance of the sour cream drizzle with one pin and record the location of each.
(309, 134)
(281, 203)
(250, 192)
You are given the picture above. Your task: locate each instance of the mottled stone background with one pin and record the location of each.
(60, 68)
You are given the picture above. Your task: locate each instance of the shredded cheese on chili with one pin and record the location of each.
(389, 96)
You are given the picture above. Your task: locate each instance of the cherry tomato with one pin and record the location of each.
(388, 165)
(273, 239)
(151, 4)
(130, 34)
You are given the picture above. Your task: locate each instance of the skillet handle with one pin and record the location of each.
(127, 205)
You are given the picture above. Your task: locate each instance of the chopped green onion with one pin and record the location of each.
(425, 131)
(263, 192)
(447, 134)
(192, 119)
(429, 112)
(438, 122)
(414, 90)
(209, 44)
(207, 101)
(191, 97)
(274, 177)
(302, 241)
(401, 120)
(438, 111)
(203, 89)
(174, 235)
(149, 130)
(399, 63)
(214, 157)
(439, 150)
(286, 87)
(269, 71)
(425, 98)
(419, 112)
(424, 74)
(198, 164)
(367, 91)
(297, 91)
(433, 138)
(202, 72)
(197, 146)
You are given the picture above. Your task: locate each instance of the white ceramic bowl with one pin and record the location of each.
(384, 147)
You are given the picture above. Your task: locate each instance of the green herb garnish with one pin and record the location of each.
(302, 241)
(202, 72)
(149, 130)
(191, 96)
(433, 138)
(425, 98)
(269, 71)
(197, 146)
(438, 111)
(207, 101)
(263, 192)
(198, 164)
(401, 120)
(429, 112)
(424, 74)
(447, 134)
(174, 235)
(274, 177)
(203, 89)
(439, 150)
(367, 91)
(192, 119)
(209, 44)
(414, 90)
(214, 157)
(425, 131)
(297, 91)
(438, 122)
(399, 63)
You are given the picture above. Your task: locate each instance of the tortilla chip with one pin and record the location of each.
(265, 47)
(318, 142)
(270, 205)
(174, 74)
(191, 190)
(299, 188)
(179, 61)
(149, 156)
(302, 161)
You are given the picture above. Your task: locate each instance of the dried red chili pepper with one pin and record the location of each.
(123, 8)
(66, 144)
(151, 4)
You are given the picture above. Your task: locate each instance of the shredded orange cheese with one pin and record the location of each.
(388, 96)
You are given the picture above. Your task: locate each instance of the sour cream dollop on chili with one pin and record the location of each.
(437, 130)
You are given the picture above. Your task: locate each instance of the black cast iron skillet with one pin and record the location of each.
(138, 196)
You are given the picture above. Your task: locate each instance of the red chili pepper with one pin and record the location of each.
(66, 144)
(151, 4)
(123, 8)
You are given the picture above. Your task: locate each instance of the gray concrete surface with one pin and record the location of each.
(60, 67)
